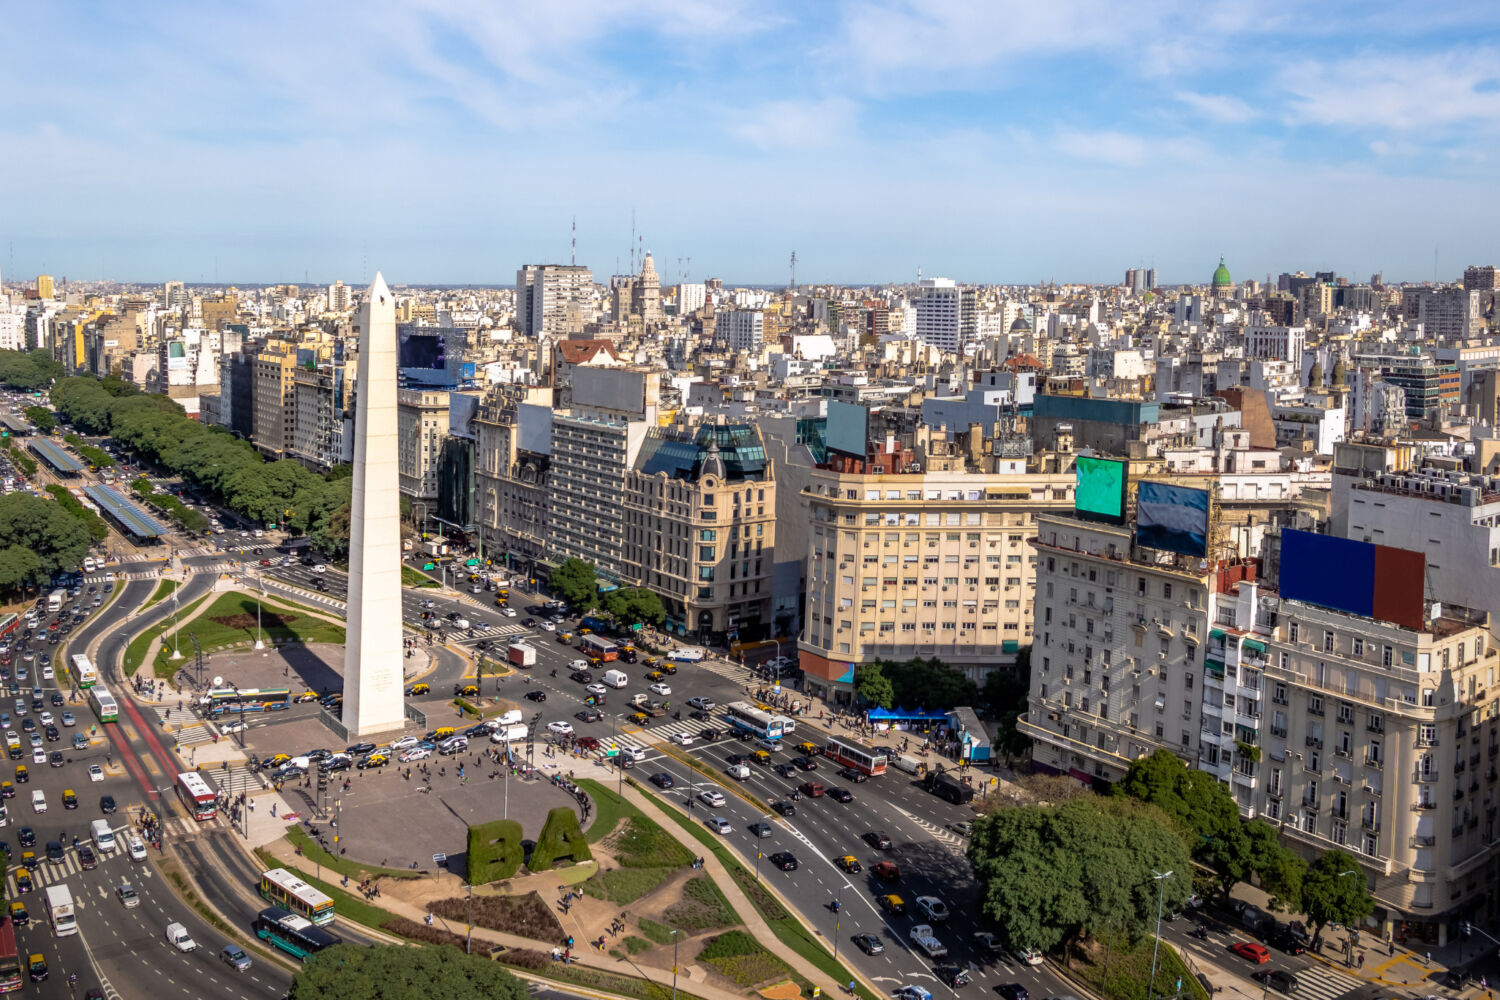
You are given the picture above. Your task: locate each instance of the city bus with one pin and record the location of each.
(851, 754)
(593, 645)
(743, 715)
(297, 936)
(84, 672)
(220, 701)
(197, 798)
(289, 892)
(10, 958)
(9, 623)
(103, 704)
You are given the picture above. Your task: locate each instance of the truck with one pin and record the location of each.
(508, 734)
(60, 911)
(55, 600)
(922, 937)
(648, 706)
(179, 938)
(522, 655)
(945, 786)
(687, 654)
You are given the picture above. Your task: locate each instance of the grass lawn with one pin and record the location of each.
(314, 852)
(660, 933)
(608, 811)
(702, 907)
(741, 959)
(231, 621)
(625, 885)
(646, 853)
(635, 945)
(1129, 968)
(163, 591)
(411, 578)
(135, 653)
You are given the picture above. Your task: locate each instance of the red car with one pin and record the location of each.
(811, 789)
(1256, 953)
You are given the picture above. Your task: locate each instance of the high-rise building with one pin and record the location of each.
(647, 301)
(422, 425)
(544, 293)
(690, 298)
(44, 288)
(512, 473)
(938, 313)
(275, 416)
(338, 297)
(1445, 313)
(1481, 279)
(174, 294)
(1280, 343)
(740, 330)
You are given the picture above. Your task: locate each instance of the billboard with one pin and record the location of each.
(1100, 491)
(848, 428)
(1172, 518)
(1372, 581)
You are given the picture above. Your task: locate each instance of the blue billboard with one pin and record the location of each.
(1172, 518)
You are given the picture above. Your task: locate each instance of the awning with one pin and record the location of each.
(1255, 644)
(1217, 633)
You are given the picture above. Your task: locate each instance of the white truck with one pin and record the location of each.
(60, 911)
(179, 938)
(521, 655)
(922, 937)
(508, 734)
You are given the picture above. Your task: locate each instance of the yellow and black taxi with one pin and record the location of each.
(441, 733)
(23, 880)
(7, 790)
(893, 904)
(22, 775)
(419, 689)
(36, 965)
(656, 675)
(374, 760)
(667, 667)
(306, 696)
(651, 662)
(808, 748)
(850, 864)
(640, 718)
(70, 799)
(761, 757)
(278, 760)
(466, 690)
(566, 638)
(18, 914)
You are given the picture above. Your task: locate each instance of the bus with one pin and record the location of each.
(856, 755)
(289, 892)
(220, 701)
(84, 672)
(10, 958)
(103, 704)
(593, 645)
(297, 936)
(743, 715)
(197, 798)
(9, 623)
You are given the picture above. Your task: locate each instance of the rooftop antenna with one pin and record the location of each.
(689, 269)
(632, 240)
(573, 253)
(794, 272)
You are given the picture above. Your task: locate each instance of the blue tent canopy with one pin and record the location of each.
(903, 715)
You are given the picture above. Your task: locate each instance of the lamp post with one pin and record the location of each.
(675, 932)
(1161, 893)
(469, 940)
(838, 916)
(259, 597)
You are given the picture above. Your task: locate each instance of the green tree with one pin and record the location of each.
(575, 581)
(1050, 875)
(41, 418)
(397, 972)
(1195, 799)
(873, 686)
(1334, 890)
(633, 605)
(1281, 870)
(930, 683)
(1004, 696)
(55, 540)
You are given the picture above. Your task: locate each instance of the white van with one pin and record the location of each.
(88, 564)
(614, 678)
(510, 718)
(104, 837)
(508, 734)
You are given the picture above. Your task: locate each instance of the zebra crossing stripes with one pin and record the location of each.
(947, 838)
(45, 873)
(1325, 984)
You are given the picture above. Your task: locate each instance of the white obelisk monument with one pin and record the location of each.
(373, 655)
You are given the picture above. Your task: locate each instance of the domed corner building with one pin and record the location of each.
(1223, 284)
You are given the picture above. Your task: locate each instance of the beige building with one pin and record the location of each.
(511, 479)
(323, 433)
(275, 416)
(930, 564)
(422, 425)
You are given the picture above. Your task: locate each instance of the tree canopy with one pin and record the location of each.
(931, 683)
(1335, 890)
(395, 972)
(38, 538)
(574, 581)
(41, 418)
(633, 605)
(1050, 875)
(30, 371)
(873, 686)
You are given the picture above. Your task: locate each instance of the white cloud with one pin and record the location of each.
(1222, 108)
(1124, 150)
(1405, 92)
(797, 124)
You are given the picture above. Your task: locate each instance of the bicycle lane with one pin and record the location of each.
(156, 754)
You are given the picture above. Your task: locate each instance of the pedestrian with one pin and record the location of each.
(1361, 960)
(1429, 958)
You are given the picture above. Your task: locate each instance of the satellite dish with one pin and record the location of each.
(218, 682)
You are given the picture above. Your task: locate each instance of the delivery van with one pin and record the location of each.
(614, 678)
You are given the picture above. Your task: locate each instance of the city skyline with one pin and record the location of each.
(448, 144)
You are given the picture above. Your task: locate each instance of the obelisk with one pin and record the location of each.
(372, 653)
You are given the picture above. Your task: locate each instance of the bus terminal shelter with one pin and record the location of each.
(57, 460)
(124, 514)
(919, 721)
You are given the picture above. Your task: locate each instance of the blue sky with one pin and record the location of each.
(987, 141)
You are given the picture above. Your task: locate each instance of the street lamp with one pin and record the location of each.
(261, 583)
(838, 916)
(675, 932)
(1161, 893)
(469, 941)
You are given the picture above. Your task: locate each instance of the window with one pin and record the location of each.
(1327, 641)
(1291, 631)
(1357, 646)
(1166, 591)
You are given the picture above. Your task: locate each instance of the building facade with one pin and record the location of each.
(422, 423)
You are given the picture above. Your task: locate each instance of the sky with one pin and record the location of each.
(988, 141)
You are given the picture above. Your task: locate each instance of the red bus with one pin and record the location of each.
(855, 755)
(9, 623)
(10, 958)
(593, 645)
(199, 800)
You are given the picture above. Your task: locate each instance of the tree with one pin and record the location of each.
(1050, 875)
(397, 972)
(930, 683)
(41, 418)
(1334, 890)
(1004, 697)
(574, 580)
(633, 605)
(1195, 799)
(1281, 869)
(873, 686)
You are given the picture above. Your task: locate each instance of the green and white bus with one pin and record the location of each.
(103, 704)
(297, 936)
(84, 672)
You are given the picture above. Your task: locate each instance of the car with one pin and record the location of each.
(1028, 956)
(869, 944)
(849, 863)
(508, 612)
(663, 780)
(36, 967)
(840, 795)
(46, 718)
(39, 756)
(18, 914)
(698, 715)
(597, 689)
(784, 808)
(718, 824)
(87, 859)
(911, 993)
(537, 696)
(1013, 991)
(934, 909)
(951, 975)
(359, 749)
(70, 799)
(96, 773)
(854, 774)
(55, 758)
(53, 734)
(661, 688)
(878, 839)
(886, 871)
(698, 701)
(22, 774)
(80, 741)
(963, 828)
(135, 847)
(581, 676)
(684, 739)
(126, 894)
(234, 956)
(1276, 979)
(560, 727)
(893, 904)
(711, 798)
(1251, 951)
(1287, 940)
(28, 725)
(589, 743)
(804, 763)
(373, 760)
(811, 789)
(709, 735)
(56, 699)
(547, 627)
(761, 830)
(785, 770)
(410, 755)
(404, 743)
(784, 860)
(27, 836)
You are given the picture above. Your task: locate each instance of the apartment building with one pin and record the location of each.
(512, 473)
(904, 564)
(275, 416)
(422, 425)
(323, 432)
(550, 297)
(700, 529)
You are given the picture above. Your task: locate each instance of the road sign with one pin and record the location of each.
(472, 562)
(440, 860)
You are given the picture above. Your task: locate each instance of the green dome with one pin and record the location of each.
(1221, 276)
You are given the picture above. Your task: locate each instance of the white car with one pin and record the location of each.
(701, 702)
(718, 824)
(711, 798)
(46, 718)
(232, 727)
(661, 689)
(415, 753)
(684, 739)
(578, 664)
(96, 773)
(932, 908)
(561, 728)
(547, 626)
(598, 689)
(135, 848)
(508, 612)
(635, 753)
(48, 673)
(1028, 956)
(320, 568)
(39, 756)
(429, 604)
(404, 743)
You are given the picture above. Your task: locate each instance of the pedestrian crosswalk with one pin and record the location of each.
(484, 630)
(44, 872)
(1322, 983)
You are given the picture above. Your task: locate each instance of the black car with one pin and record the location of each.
(784, 808)
(737, 758)
(318, 754)
(14, 753)
(581, 676)
(359, 749)
(53, 734)
(878, 839)
(28, 725)
(55, 852)
(55, 758)
(785, 770)
(1013, 991)
(869, 944)
(951, 975)
(1287, 941)
(840, 794)
(663, 780)
(699, 716)
(337, 764)
(27, 836)
(87, 858)
(536, 696)
(761, 830)
(708, 735)
(57, 699)
(784, 860)
(1276, 979)
(854, 775)
(804, 763)
(589, 715)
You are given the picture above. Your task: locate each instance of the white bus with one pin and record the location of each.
(290, 893)
(104, 704)
(60, 911)
(743, 715)
(84, 672)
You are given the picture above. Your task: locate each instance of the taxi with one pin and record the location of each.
(7, 790)
(23, 880)
(668, 668)
(566, 638)
(893, 904)
(70, 799)
(652, 662)
(279, 760)
(442, 733)
(28, 860)
(502, 600)
(37, 966)
(850, 864)
(585, 631)
(656, 675)
(418, 689)
(374, 760)
(763, 758)
(640, 718)
(467, 691)
(22, 775)
(306, 696)
(808, 748)
(18, 914)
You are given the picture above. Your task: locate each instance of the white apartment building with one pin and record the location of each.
(1276, 343)
(938, 311)
(422, 423)
(691, 297)
(545, 293)
(741, 330)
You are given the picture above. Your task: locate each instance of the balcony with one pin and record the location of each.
(1281, 731)
(1426, 776)
(1312, 806)
(1425, 804)
(1375, 727)
(1428, 841)
(1374, 762)
(1372, 825)
(1314, 742)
